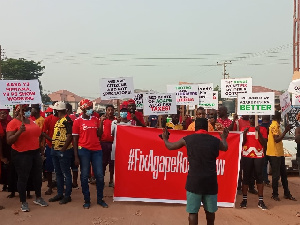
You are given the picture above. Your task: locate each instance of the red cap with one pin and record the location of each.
(49, 110)
(131, 101)
(124, 105)
(85, 103)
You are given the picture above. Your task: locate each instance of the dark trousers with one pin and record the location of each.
(279, 170)
(240, 180)
(265, 170)
(26, 163)
(106, 160)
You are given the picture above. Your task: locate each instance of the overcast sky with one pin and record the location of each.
(157, 42)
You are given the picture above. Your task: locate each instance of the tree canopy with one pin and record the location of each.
(22, 69)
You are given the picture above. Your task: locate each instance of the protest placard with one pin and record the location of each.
(292, 118)
(10, 107)
(230, 88)
(138, 98)
(295, 100)
(159, 104)
(210, 101)
(285, 103)
(116, 88)
(256, 104)
(185, 94)
(204, 89)
(13, 92)
(294, 87)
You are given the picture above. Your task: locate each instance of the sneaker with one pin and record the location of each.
(75, 186)
(262, 205)
(253, 191)
(24, 207)
(290, 197)
(111, 184)
(56, 198)
(243, 204)
(276, 198)
(86, 205)
(102, 203)
(40, 201)
(65, 200)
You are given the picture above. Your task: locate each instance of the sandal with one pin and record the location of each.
(290, 197)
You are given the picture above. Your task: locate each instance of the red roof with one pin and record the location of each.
(256, 89)
(64, 95)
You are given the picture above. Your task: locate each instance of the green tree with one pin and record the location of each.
(22, 69)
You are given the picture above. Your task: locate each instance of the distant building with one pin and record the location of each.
(66, 96)
(256, 89)
(100, 105)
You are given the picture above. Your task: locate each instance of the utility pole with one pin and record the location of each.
(224, 64)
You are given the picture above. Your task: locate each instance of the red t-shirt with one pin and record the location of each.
(106, 135)
(138, 115)
(242, 124)
(226, 123)
(29, 139)
(1, 131)
(252, 147)
(87, 131)
(48, 127)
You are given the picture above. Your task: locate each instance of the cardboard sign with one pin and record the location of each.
(203, 90)
(138, 98)
(142, 156)
(294, 87)
(256, 104)
(292, 119)
(185, 94)
(295, 100)
(285, 103)
(230, 88)
(210, 101)
(14, 92)
(116, 88)
(159, 104)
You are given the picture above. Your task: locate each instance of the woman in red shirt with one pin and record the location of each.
(87, 150)
(23, 134)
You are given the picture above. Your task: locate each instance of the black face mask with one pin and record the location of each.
(55, 113)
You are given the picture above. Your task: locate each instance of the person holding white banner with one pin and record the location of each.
(23, 134)
(276, 153)
(201, 184)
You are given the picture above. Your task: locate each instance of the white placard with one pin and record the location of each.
(138, 98)
(10, 107)
(116, 88)
(295, 100)
(192, 107)
(285, 103)
(14, 92)
(294, 87)
(210, 101)
(159, 104)
(256, 104)
(203, 90)
(230, 88)
(185, 94)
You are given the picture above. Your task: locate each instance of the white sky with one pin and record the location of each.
(158, 42)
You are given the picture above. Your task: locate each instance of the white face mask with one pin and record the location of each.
(89, 112)
(27, 114)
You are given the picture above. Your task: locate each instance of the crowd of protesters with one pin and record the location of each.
(67, 142)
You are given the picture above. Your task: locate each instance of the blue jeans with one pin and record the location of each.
(62, 165)
(87, 157)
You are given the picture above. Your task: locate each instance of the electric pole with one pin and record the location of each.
(224, 64)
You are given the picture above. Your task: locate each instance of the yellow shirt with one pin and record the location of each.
(174, 127)
(40, 122)
(273, 148)
(192, 127)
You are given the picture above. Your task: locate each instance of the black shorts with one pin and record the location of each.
(252, 166)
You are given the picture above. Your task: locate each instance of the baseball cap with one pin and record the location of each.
(124, 105)
(59, 106)
(131, 101)
(49, 109)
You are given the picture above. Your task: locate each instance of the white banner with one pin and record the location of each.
(285, 103)
(14, 92)
(230, 88)
(294, 87)
(116, 88)
(185, 94)
(203, 90)
(210, 101)
(159, 104)
(295, 100)
(256, 104)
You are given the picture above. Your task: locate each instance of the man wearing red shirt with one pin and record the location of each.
(48, 129)
(223, 117)
(107, 140)
(136, 118)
